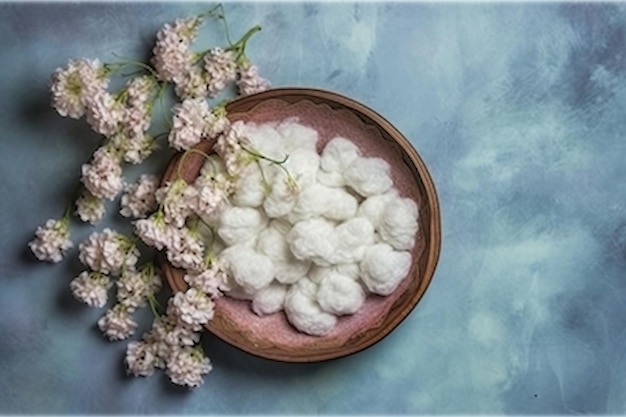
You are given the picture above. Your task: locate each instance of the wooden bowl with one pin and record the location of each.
(331, 114)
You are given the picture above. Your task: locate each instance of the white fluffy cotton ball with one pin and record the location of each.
(296, 136)
(372, 207)
(352, 237)
(249, 268)
(303, 165)
(249, 188)
(368, 176)
(383, 268)
(272, 243)
(313, 239)
(338, 154)
(398, 223)
(304, 312)
(340, 295)
(282, 197)
(269, 300)
(240, 224)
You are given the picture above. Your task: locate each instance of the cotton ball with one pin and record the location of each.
(236, 291)
(383, 268)
(282, 197)
(250, 269)
(318, 273)
(352, 237)
(331, 179)
(269, 300)
(305, 314)
(306, 286)
(282, 225)
(341, 205)
(264, 139)
(250, 190)
(297, 136)
(272, 243)
(398, 223)
(351, 270)
(311, 202)
(240, 224)
(372, 207)
(340, 295)
(288, 272)
(319, 200)
(368, 176)
(338, 154)
(313, 239)
(303, 165)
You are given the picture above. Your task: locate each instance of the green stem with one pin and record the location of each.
(266, 185)
(161, 98)
(240, 46)
(154, 305)
(129, 62)
(258, 155)
(219, 13)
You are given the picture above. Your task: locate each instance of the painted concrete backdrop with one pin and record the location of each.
(519, 111)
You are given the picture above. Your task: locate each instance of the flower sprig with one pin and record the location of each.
(167, 217)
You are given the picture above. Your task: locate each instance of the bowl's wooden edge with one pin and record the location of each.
(402, 307)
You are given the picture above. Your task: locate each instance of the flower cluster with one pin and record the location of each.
(170, 217)
(203, 74)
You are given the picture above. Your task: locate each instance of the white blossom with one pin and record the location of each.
(249, 81)
(178, 200)
(221, 69)
(212, 194)
(103, 175)
(135, 287)
(153, 231)
(104, 113)
(73, 86)
(192, 85)
(91, 288)
(166, 335)
(139, 199)
(108, 252)
(117, 323)
(136, 121)
(211, 280)
(229, 148)
(189, 122)
(172, 58)
(191, 309)
(89, 208)
(185, 250)
(140, 91)
(51, 241)
(134, 148)
(141, 358)
(217, 123)
(187, 366)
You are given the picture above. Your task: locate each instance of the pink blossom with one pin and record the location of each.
(51, 241)
(103, 175)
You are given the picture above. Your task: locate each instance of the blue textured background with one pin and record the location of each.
(517, 109)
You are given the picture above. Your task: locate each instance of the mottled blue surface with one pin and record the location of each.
(519, 111)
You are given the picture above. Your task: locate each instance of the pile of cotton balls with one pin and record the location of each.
(316, 250)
